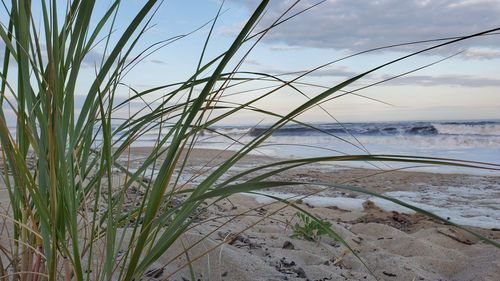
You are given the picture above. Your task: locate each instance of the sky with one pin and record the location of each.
(463, 85)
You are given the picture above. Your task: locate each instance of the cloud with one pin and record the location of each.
(325, 72)
(358, 25)
(445, 80)
(92, 59)
(253, 62)
(481, 54)
(419, 80)
(282, 48)
(334, 72)
(157, 61)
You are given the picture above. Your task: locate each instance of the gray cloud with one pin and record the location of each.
(325, 72)
(157, 61)
(358, 25)
(420, 80)
(448, 80)
(92, 59)
(253, 62)
(334, 72)
(481, 54)
(283, 48)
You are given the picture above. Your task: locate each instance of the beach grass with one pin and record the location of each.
(65, 203)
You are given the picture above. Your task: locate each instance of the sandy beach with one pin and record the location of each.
(247, 237)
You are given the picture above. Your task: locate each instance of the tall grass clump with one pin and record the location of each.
(67, 217)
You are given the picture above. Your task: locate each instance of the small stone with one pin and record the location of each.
(389, 274)
(300, 273)
(288, 245)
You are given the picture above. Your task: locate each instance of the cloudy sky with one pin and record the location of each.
(461, 81)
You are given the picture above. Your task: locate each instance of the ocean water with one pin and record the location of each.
(475, 203)
(464, 140)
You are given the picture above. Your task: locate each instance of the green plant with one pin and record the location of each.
(58, 224)
(65, 219)
(309, 229)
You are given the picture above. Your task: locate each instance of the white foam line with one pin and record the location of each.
(463, 215)
(346, 203)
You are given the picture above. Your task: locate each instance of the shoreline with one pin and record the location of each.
(251, 240)
(241, 238)
(207, 152)
(465, 199)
